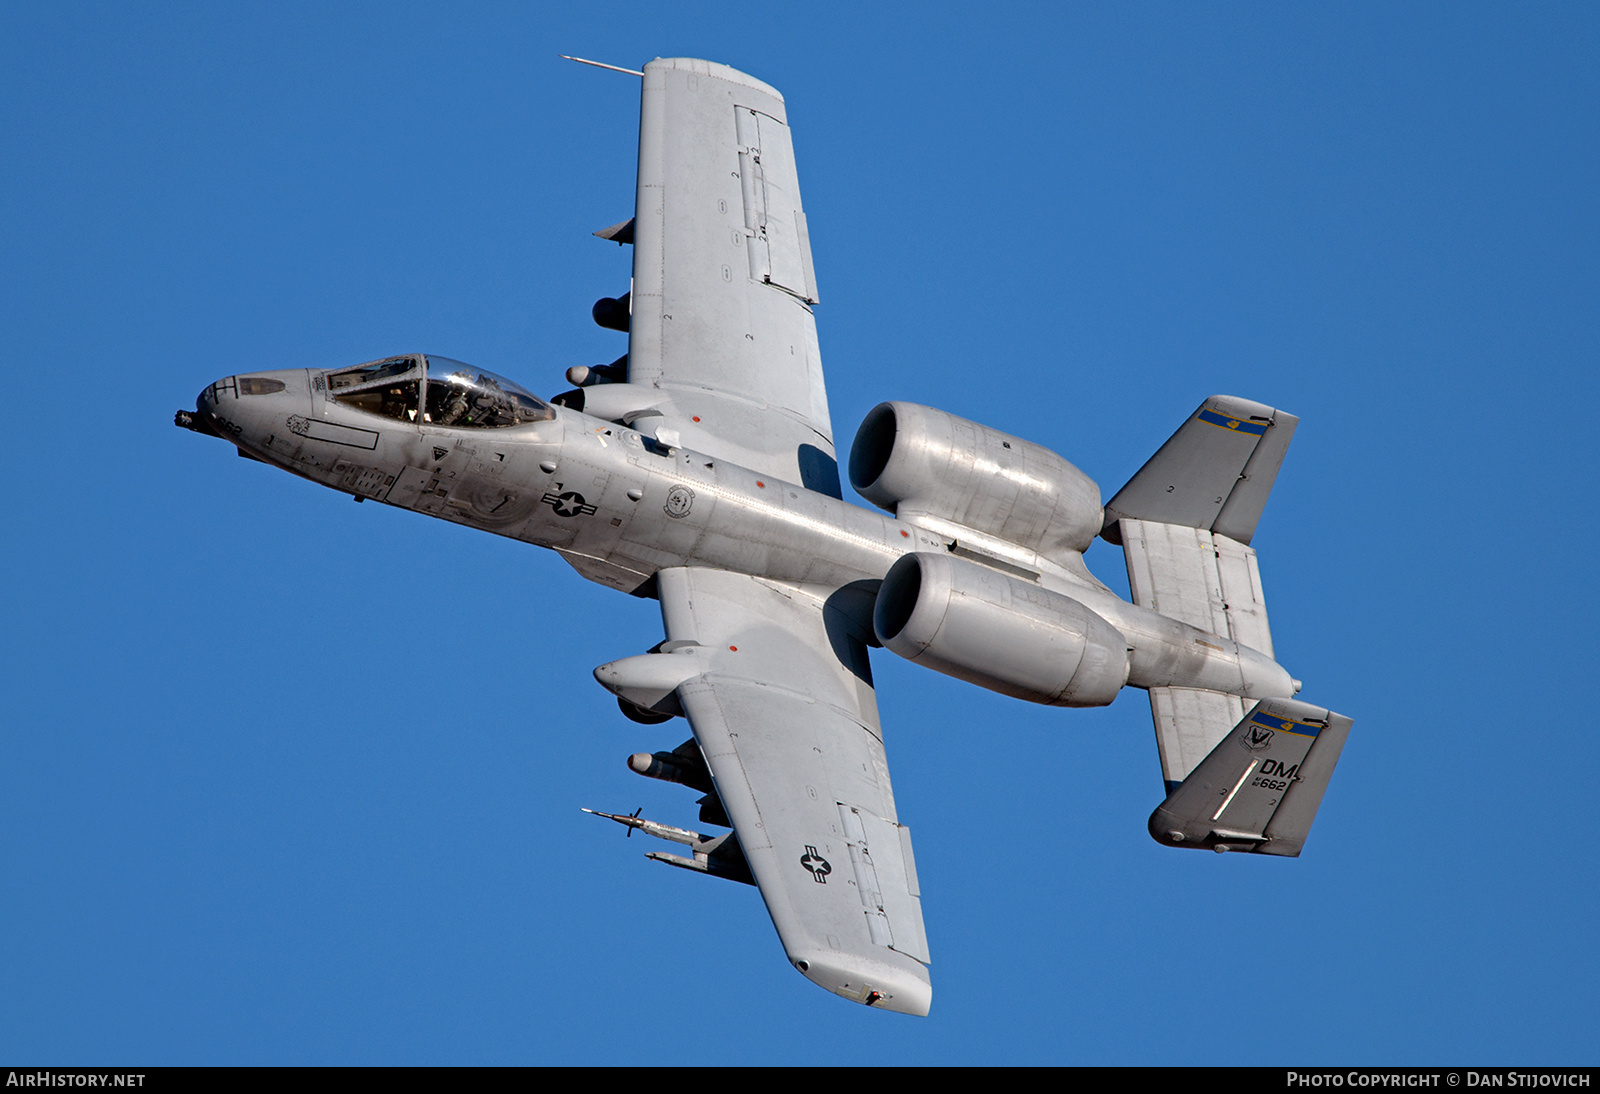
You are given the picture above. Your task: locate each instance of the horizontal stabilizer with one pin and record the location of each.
(1211, 582)
(1259, 789)
(1200, 578)
(1214, 473)
(1190, 722)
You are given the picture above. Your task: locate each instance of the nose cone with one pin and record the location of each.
(249, 408)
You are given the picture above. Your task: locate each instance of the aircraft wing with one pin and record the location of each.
(721, 326)
(786, 718)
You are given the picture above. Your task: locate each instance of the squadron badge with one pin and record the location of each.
(680, 499)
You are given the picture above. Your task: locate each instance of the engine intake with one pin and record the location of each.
(915, 460)
(1001, 633)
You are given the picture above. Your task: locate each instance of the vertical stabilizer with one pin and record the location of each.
(1214, 473)
(1260, 788)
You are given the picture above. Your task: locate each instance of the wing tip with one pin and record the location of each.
(870, 983)
(716, 71)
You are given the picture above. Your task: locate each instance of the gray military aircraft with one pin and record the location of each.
(699, 469)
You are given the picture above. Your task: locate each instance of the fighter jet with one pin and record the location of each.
(699, 469)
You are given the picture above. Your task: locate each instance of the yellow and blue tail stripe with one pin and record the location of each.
(1286, 725)
(1227, 421)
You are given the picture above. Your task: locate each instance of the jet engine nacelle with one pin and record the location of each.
(993, 630)
(913, 459)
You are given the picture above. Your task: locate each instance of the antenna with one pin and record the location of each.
(600, 64)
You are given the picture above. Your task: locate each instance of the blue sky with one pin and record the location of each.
(288, 780)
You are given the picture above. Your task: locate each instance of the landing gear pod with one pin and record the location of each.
(613, 313)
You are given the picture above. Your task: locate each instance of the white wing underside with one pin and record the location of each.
(721, 323)
(722, 354)
(787, 720)
(1209, 581)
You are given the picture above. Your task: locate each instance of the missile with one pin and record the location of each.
(654, 828)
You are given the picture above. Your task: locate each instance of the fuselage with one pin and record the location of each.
(620, 506)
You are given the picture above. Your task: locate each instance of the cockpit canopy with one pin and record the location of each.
(443, 391)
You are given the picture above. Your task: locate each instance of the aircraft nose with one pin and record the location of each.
(247, 407)
(206, 401)
(204, 419)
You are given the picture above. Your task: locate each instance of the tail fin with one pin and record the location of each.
(1238, 778)
(1259, 789)
(1214, 473)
